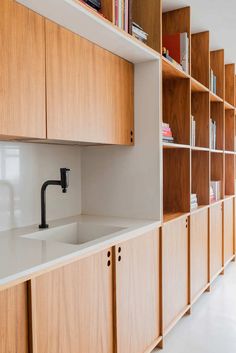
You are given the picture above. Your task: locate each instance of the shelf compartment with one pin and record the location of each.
(217, 114)
(215, 98)
(229, 174)
(176, 181)
(93, 27)
(201, 111)
(196, 86)
(217, 170)
(230, 84)
(170, 71)
(148, 15)
(200, 168)
(218, 66)
(229, 130)
(167, 145)
(176, 108)
(200, 57)
(177, 21)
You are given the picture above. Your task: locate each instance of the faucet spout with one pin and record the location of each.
(64, 183)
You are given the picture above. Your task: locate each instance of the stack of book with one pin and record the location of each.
(139, 33)
(194, 201)
(215, 190)
(167, 133)
(166, 54)
(213, 134)
(177, 47)
(94, 4)
(212, 82)
(193, 131)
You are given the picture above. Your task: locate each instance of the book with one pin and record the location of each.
(212, 134)
(194, 202)
(193, 131)
(178, 47)
(95, 4)
(213, 82)
(139, 33)
(216, 187)
(167, 133)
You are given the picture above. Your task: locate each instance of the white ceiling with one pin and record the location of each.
(217, 16)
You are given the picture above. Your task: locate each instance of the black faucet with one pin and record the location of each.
(64, 183)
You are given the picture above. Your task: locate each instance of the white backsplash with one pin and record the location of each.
(23, 169)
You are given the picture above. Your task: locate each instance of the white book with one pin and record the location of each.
(184, 50)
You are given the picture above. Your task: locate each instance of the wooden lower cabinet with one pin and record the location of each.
(198, 252)
(138, 293)
(175, 270)
(228, 229)
(216, 239)
(14, 320)
(73, 307)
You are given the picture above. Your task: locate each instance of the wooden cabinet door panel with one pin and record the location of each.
(14, 320)
(216, 237)
(73, 307)
(22, 72)
(198, 251)
(137, 293)
(175, 270)
(89, 90)
(228, 230)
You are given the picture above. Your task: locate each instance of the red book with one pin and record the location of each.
(172, 43)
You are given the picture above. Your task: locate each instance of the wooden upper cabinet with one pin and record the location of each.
(138, 293)
(89, 90)
(72, 307)
(14, 320)
(22, 72)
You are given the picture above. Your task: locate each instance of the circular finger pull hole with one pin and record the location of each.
(108, 254)
(131, 140)
(131, 133)
(119, 258)
(108, 263)
(119, 249)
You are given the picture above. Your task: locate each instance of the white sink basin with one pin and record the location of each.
(75, 233)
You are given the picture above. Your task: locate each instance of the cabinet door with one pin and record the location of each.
(22, 66)
(198, 252)
(138, 293)
(89, 90)
(228, 230)
(175, 270)
(13, 320)
(73, 307)
(216, 237)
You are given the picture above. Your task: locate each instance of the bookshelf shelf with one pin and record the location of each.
(197, 86)
(200, 58)
(199, 208)
(228, 106)
(203, 149)
(217, 64)
(229, 130)
(173, 216)
(215, 98)
(170, 71)
(167, 145)
(230, 88)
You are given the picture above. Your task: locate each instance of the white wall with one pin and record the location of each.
(23, 169)
(126, 181)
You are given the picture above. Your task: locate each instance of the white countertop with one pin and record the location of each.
(21, 257)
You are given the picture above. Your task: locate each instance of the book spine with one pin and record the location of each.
(130, 16)
(184, 51)
(116, 12)
(127, 15)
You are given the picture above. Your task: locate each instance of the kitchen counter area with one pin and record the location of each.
(28, 251)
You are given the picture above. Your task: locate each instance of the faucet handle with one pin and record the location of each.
(64, 179)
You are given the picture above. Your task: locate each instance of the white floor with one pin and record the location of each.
(211, 328)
